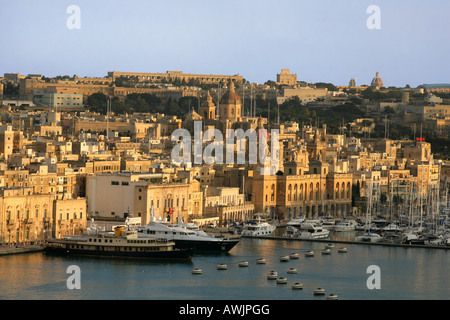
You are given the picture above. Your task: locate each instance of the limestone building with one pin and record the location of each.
(286, 78)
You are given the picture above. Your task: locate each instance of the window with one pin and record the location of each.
(125, 183)
(114, 183)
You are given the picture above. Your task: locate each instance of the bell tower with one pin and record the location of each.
(208, 109)
(230, 105)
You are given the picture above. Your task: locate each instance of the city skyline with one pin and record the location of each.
(320, 42)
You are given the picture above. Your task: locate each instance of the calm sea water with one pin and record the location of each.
(405, 273)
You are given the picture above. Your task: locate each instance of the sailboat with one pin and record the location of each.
(414, 235)
(369, 236)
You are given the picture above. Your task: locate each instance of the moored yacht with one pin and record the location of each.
(120, 244)
(369, 237)
(314, 231)
(413, 238)
(186, 238)
(347, 225)
(257, 227)
(392, 227)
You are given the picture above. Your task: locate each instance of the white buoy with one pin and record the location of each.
(284, 258)
(319, 292)
(297, 286)
(342, 250)
(261, 261)
(332, 297)
(309, 254)
(243, 264)
(282, 280)
(292, 271)
(221, 266)
(294, 255)
(272, 275)
(197, 271)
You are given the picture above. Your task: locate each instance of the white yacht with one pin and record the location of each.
(296, 223)
(258, 228)
(369, 237)
(347, 225)
(329, 224)
(186, 238)
(393, 227)
(292, 227)
(314, 231)
(413, 238)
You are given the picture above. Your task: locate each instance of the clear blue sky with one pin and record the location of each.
(321, 41)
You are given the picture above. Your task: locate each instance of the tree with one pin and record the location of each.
(96, 102)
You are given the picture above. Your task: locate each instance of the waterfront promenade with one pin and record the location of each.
(387, 244)
(18, 249)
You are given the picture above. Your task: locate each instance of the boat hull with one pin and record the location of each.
(177, 254)
(206, 246)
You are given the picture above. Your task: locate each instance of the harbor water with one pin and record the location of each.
(403, 274)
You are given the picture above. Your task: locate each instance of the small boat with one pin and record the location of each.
(272, 275)
(314, 231)
(326, 251)
(329, 246)
(257, 228)
(284, 258)
(309, 254)
(297, 286)
(329, 224)
(413, 238)
(319, 292)
(118, 244)
(261, 261)
(197, 271)
(292, 271)
(222, 266)
(392, 227)
(342, 250)
(369, 237)
(294, 256)
(343, 226)
(243, 264)
(282, 280)
(332, 297)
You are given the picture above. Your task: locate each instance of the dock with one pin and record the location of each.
(9, 250)
(386, 244)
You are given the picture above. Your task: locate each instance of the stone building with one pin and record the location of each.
(286, 78)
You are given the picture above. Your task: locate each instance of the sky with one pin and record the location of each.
(320, 41)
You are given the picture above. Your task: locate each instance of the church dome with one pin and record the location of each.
(377, 82)
(230, 97)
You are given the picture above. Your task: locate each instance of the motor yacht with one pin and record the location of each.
(186, 238)
(347, 225)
